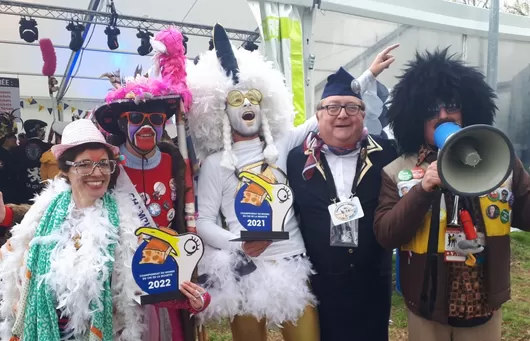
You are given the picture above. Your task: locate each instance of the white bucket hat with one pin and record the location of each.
(80, 132)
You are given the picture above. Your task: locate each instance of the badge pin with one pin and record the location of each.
(405, 175)
(505, 216)
(160, 188)
(511, 200)
(166, 205)
(154, 209)
(145, 197)
(173, 196)
(173, 184)
(170, 214)
(418, 173)
(493, 211)
(493, 196)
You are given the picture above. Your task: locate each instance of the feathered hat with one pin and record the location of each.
(431, 77)
(147, 94)
(8, 126)
(222, 70)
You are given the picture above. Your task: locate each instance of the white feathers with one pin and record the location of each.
(72, 272)
(210, 86)
(277, 290)
(77, 276)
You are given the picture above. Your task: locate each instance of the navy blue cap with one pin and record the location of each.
(340, 84)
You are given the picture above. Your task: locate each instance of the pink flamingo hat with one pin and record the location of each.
(151, 95)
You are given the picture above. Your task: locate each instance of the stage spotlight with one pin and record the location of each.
(185, 43)
(76, 36)
(250, 46)
(145, 42)
(28, 30)
(112, 37)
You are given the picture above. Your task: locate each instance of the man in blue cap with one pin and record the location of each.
(335, 175)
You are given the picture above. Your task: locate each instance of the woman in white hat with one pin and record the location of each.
(66, 269)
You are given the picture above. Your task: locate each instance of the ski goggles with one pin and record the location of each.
(137, 118)
(236, 98)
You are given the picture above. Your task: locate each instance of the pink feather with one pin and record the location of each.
(173, 63)
(48, 56)
(173, 71)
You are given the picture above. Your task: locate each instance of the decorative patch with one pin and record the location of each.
(33, 151)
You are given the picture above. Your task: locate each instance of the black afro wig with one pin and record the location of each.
(433, 77)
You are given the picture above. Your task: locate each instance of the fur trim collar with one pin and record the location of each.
(128, 317)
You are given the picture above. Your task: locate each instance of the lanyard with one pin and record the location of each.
(330, 182)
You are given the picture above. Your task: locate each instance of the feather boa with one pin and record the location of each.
(277, 291)
(128, 317)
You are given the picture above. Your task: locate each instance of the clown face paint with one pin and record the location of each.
(244, 111)
(145, 130)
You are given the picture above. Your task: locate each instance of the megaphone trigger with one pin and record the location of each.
(473, 160)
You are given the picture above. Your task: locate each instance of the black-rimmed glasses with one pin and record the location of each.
(86, 168)
(335, 109)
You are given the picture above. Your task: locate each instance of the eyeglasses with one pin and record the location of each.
(451, 107)
(86, 168)
(135, 117)
(335, 109)
(236, 98)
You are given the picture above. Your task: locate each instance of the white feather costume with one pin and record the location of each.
(278, 290)
(73, 274)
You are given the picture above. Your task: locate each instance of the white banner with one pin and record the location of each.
(10, 95)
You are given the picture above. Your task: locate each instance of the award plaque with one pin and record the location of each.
(163, 260)
(261, 207)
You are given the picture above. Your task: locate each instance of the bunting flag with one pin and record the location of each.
(61, 107)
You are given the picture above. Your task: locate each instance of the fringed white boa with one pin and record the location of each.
(276, 291)
(74, 274)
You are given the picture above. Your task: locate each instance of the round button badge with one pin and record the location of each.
(418, 173)
(154, 209)
(405, 175)
(160, 188)
(170, 214)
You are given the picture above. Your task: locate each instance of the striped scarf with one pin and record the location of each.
(40, 321)
(313, 147)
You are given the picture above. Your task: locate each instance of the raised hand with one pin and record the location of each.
(383, 60)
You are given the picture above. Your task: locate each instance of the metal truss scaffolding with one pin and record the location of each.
(103, 18)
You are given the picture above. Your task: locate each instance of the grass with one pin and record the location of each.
(516, 313)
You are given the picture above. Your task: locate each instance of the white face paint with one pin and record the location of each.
(245, 119)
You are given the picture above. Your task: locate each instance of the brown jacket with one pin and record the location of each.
(400, 223)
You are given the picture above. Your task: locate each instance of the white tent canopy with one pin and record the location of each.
(338, 33)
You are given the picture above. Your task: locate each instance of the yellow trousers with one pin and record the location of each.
(247, 328)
